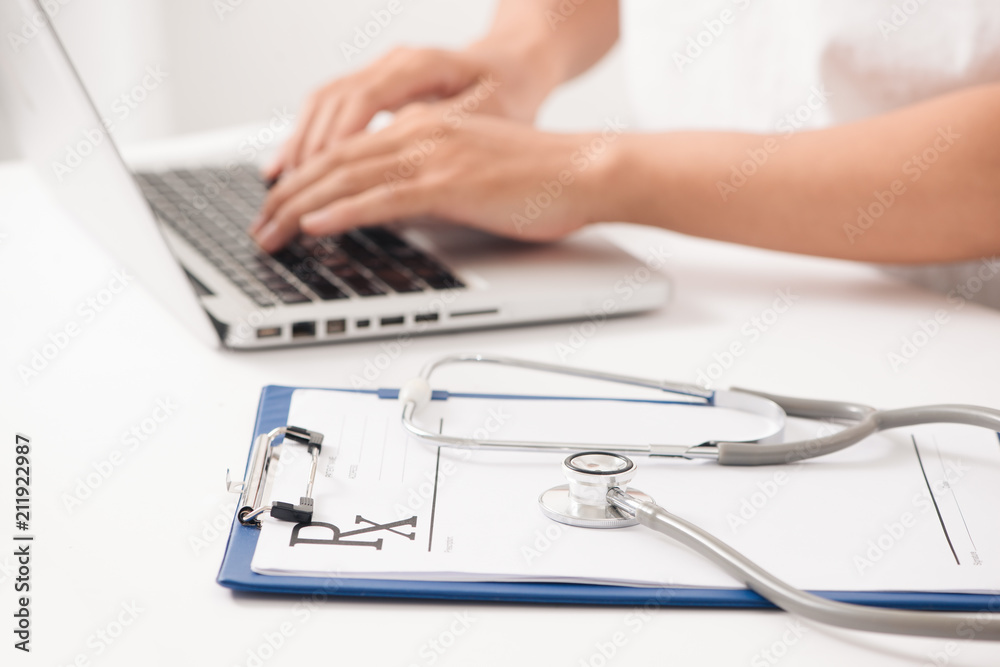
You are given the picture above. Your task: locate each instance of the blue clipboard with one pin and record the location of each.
(235, 572)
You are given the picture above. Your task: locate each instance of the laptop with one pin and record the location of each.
(181, 230)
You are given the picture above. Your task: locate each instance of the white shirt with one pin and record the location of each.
(784, 65)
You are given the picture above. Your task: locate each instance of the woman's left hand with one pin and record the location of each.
(490, 173)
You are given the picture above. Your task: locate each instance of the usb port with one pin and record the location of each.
(336, 326)
(390, 321)
(304, 330)
(363, 324)
(268, 332)
(425, 317)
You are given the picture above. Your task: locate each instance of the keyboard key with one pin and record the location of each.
(357, 251)
(444, 281)
(226, 203)
(290, 295)
(397, 280)
(327, 291)
(353, 278)
(335, 261)
(383, 238)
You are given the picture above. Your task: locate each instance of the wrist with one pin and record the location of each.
(525, 66)
(613, 179)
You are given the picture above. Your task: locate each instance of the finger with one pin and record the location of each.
(273, 236)
(354, 116)
(316, 136)
(276, 166)
(353, 149)
(404, 77)
(293, 146)
(376, 205)
(346, 181)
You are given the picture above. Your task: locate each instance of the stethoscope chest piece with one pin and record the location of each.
(583, 501)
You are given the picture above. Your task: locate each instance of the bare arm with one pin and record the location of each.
(550, 41)
(532, 46)
(920, 184)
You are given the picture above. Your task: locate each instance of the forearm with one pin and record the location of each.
(552, 40)
(920, 184)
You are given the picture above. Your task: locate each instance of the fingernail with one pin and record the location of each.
(310, 221)
(266, 237)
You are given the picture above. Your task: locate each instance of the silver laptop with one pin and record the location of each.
(181, 231)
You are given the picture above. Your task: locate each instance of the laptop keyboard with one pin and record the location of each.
(212, 208)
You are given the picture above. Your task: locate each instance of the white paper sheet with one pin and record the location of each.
(912, 509)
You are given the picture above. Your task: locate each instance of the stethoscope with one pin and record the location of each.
(596, 494)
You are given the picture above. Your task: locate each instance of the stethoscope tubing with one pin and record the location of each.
(860, 420)
(983, 625)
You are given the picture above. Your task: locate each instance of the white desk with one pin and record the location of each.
(132, 542)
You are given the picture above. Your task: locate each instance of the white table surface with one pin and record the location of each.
(133, 541)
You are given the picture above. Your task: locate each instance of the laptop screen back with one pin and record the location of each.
(60, 132)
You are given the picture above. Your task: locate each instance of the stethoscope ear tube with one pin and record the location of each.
(860, 420)
(754, 454)
(947, 625)
(871, 421)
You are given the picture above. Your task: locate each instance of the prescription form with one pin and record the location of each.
(906, 510)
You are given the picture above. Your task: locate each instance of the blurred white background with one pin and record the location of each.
(233, 61)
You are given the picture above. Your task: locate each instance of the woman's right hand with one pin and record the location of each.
(346, 105)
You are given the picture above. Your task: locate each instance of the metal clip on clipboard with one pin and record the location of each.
(256, 488)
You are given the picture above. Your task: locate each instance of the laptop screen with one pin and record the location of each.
(60, 132)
